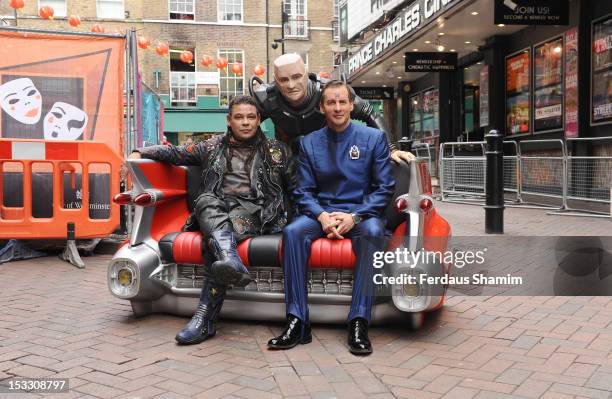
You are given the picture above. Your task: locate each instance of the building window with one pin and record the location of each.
(182, 79)
(59, 6)
(229, 10)
(112, 9)
(296, 25)
(601, 72)
(181, 9)
(335, 22)
(517, 93)
(230, 84)
(548, 86)
(338, 58)
(425, 115)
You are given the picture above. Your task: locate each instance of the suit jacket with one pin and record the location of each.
(346, 172)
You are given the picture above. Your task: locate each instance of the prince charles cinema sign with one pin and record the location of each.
(408, 21)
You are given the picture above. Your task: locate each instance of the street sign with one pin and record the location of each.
(431, 62)
(532, 12)
(374, 93)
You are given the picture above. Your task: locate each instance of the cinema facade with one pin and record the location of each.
(537, 81)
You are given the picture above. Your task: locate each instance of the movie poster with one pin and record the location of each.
(602, 72)
(484, 96)
(571, 83)
(517, 94)
(548, 89)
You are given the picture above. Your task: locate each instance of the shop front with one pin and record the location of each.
(535, 81)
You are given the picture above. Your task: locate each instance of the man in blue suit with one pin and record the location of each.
(344, 184)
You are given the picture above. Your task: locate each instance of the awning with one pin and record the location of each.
(196, 120)
(205, 121)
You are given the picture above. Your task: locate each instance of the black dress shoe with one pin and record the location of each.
(292, 335)
(358, 341)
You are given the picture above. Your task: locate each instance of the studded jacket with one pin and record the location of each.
(272, 172)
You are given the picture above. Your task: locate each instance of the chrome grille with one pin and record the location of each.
(271, 279)
(190, 276)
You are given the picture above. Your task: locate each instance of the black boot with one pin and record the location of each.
(203, 324)
(228, 268)
(358, 341)
(296, 332)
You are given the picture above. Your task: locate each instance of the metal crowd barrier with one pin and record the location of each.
(589, 178)
(548, 178)
(423, 151)
(544, 175)
(462, 170)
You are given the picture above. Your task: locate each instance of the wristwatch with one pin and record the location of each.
(356, 218)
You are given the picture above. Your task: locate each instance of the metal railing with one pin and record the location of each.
(544, 175)
(423, 151)
(589, 178)
(462, 169)
(532, 175)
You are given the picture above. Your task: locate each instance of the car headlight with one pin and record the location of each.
(123, 279)
(411, 290)
(410, 296)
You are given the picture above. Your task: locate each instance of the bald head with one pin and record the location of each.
(291, 78)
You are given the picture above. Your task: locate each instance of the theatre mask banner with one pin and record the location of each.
(61, 87)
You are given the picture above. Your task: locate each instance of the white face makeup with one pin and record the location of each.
(21, 100)
(291, 78)
(64, 122)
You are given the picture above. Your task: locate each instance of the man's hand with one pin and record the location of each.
(398, 156)
(346, 222)
(123, 172)
(329, 225)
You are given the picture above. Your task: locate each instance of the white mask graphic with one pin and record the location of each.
(21, 100)
(64, 122)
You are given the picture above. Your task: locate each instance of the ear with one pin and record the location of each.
(352, 105)
(228, 120)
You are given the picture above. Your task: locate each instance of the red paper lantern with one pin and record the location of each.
(206, 60)
(74, 21)
(237, 68)
(221, 62)
(46, 12)
(259, 70)
(98, 28)
(162, 49)
(324, 75)
(186, 56)
(16, 4)
(144, 42)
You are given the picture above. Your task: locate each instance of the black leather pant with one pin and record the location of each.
(238, 215)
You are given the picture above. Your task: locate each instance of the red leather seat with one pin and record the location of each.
(186, 247)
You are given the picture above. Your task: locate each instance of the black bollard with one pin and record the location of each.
(494, 204)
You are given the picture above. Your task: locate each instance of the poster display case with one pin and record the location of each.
(518, 93)
(548, 86)
(601, 72)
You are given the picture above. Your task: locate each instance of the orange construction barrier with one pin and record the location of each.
(59, 157)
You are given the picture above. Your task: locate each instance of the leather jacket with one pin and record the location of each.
(272, 172)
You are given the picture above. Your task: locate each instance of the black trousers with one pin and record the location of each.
(236, 214)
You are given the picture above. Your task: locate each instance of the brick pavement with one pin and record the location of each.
(57, 321)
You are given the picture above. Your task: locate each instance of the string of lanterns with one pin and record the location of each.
(162, 49)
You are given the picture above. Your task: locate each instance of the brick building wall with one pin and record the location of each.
(205, 33)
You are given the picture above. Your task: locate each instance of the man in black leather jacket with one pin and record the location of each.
(292, 102)
(247, 180)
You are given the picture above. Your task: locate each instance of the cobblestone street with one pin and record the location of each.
(61, 322)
